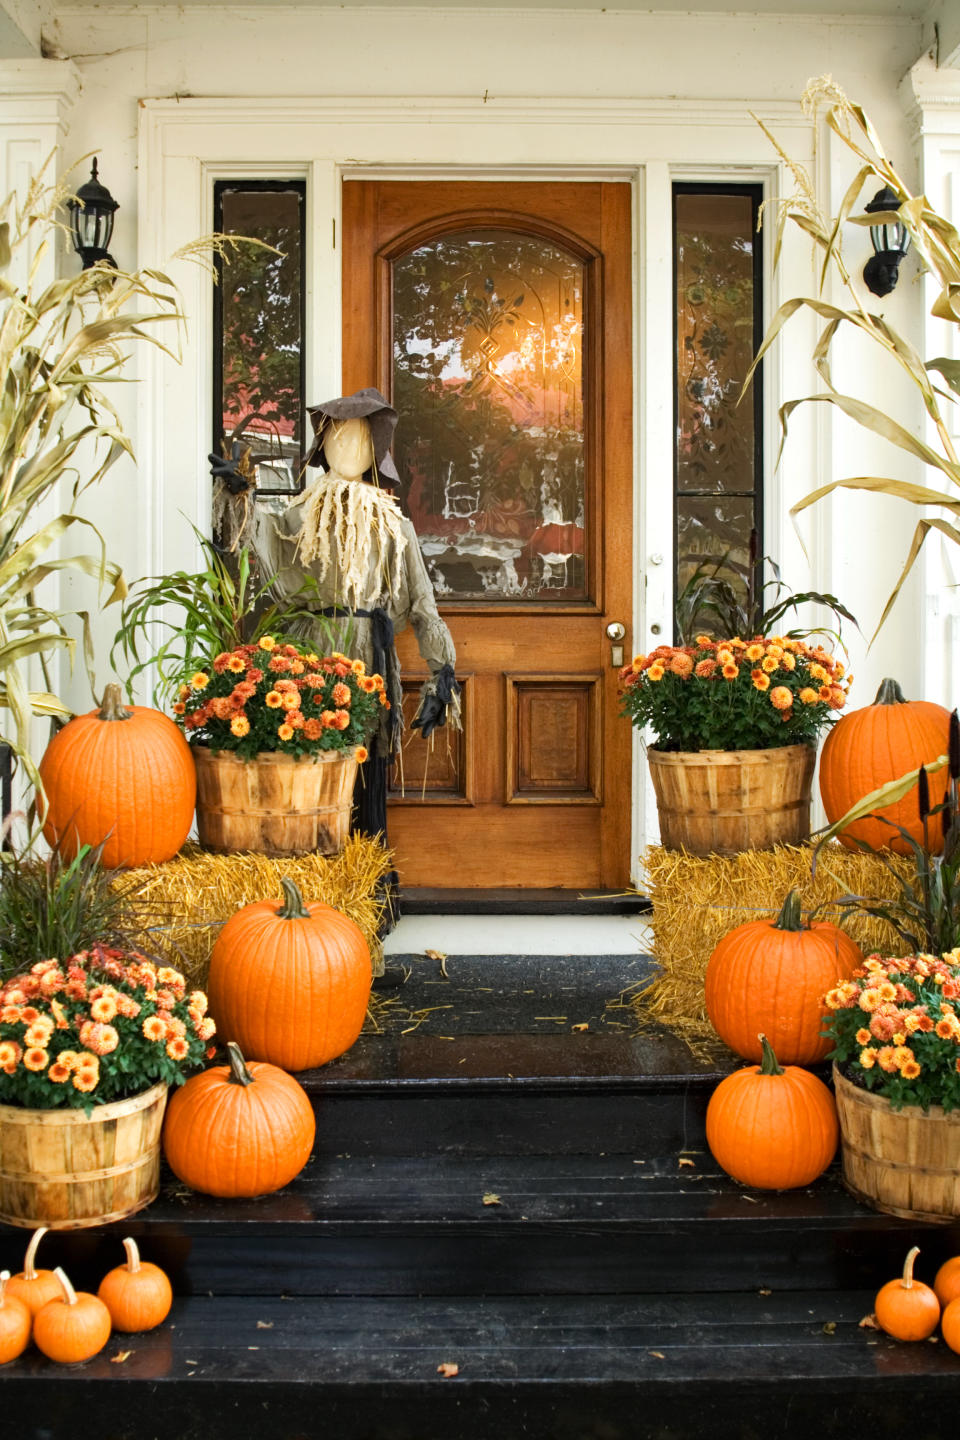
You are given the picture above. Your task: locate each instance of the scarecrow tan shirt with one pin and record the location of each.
(275, 539)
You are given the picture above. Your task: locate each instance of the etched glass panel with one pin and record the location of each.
(488, 381)
(259, 304)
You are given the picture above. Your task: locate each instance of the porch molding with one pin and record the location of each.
(36, 98)
(184, 145)
(931, 99)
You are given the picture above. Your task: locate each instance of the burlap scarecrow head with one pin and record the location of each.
(366, 404)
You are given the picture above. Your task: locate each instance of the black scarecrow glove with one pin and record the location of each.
(229, 470)
(433, 711)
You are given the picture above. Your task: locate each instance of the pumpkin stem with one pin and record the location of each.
(907, 1281)
(890, 693)
(239, 1074)
(112, 707)
(30, 1259)
(4, 1277)
(69, 1294)
(791, 916)
(133, 1255)
(293, 907)
(769, 1064)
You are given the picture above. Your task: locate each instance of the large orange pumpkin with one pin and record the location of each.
(771, 976)
(239, 1129)
(290, 983)
(120, 774)
(870, 747)
(772, 1127)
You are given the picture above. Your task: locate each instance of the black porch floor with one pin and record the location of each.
(495, 1190)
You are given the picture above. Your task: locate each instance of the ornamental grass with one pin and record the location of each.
(202, 890)
(698, 899)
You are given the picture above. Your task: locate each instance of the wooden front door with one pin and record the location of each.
(497, 319)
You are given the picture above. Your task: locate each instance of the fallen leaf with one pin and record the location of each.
(264, 1324)
(448, 1369)
(657, 1354)
(582, 1027)
(491, 1199)
(830, 1328)
(681, 1161)
(435, 954)
(764, 1292)
(750, 1199)
(869, 1322)
(253, 1347)
(933, 1339)
(119, 1358)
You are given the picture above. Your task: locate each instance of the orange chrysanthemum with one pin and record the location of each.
(290, 699)
(787, 661)
(808, 696)
(369, 684)
(704, 668)
(781, 697)
(273, 699)
(103, 1008)
(360, 754)
(910, 1070)
(154, 1028)
(754, 652)
(236, 664)
(35, 1058)
(179, 708)
(730, 670)
(177, 1048)
(86, 1080)
(681, 665)
(240, 726)
(358, 667)
(285, 731)
(312, 729)
(341, 719)
(760, 681)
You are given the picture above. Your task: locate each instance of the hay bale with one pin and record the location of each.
(187, 899)
(699, 899)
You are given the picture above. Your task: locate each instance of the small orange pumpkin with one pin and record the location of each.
(950, 1325)
(239, 1129)
(906, 1308)
(770, 976)
(290, 983)
(72, 1328)
(15, 1322)
(946, 1282)
(138, 1294)
(122, 775)
(34, 1287)
(772, 1127)
(870, 747)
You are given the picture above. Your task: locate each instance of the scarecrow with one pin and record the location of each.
(347, 538)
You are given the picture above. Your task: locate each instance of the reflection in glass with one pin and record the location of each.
(261, 330)
(488, 382)
(710, 529)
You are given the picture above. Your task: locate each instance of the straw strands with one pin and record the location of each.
(187, 899)
(697, 900)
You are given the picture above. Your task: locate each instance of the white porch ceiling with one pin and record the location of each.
(895, 9)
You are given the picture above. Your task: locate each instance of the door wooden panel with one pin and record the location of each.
(529, 543)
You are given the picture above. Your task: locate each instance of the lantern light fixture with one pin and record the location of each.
(91, 221)
(890, 241)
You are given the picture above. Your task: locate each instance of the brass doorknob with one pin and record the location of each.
(615, 631)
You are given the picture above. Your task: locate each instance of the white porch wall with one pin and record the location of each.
(713, 66)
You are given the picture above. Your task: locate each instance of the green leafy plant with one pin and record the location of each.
(936, 244)
(733, 694)
(716, 597)
(203, 613)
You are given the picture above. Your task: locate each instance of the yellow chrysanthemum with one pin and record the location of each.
(273, 699)
(199, 681)
(754, 652)
(910, 1070)
(267, 642)
(154, 1028)
(656, 672)
(769, 664)
(760, 681)
(863, 1037)
(868, 1058)
(808, 696)
(285, 732)
(240, 725)
(236, 664)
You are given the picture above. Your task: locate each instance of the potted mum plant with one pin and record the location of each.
(91, 1037)
(277, 733)
(735, 725)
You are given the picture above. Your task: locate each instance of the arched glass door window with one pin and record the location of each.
(488, 335)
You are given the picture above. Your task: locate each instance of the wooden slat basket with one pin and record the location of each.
(721, 802)
(903, 1162)
(274, 804)
(65, 1170)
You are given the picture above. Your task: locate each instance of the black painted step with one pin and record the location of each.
(431, 901)
(500, 1225)
(780, 1366)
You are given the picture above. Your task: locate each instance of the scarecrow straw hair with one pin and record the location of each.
(697, 900)
(203, 890)
(348, 528)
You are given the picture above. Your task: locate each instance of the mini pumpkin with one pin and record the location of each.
(870, 747)
(290, 983)
(946, 1282)
(950, 1325)
(239, 1129)
(137, 1294)
(906, 1308)
(34, 1287)
(770, 976)
(121, 775)
(15, 1322)
(772, 1127)
(73, 1328)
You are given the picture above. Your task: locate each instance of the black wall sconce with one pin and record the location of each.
(91, 221)
(890, 241)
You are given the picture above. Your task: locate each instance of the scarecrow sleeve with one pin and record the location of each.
(440, 693)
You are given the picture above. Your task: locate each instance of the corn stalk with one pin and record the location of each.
(937, 246)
